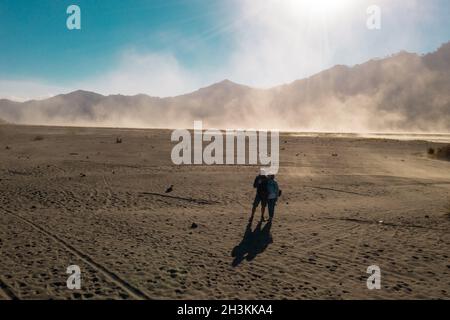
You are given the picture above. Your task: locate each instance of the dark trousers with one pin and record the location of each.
(271, 203)
(259, 199)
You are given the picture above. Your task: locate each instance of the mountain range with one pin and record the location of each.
(404, 92)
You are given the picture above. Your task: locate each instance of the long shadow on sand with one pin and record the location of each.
(253, 243)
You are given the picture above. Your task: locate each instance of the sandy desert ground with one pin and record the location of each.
(75, 196)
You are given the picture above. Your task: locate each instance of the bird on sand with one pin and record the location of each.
(169, 189)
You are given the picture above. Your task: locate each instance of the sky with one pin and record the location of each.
(170, 47)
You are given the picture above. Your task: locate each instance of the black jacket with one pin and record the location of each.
(261, 186)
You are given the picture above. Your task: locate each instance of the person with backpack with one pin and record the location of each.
(273, 193)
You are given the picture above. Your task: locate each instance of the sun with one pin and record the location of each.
(320, 7)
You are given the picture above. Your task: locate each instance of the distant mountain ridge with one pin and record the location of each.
(403, 92)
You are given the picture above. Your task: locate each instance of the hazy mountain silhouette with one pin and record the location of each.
(403, 92)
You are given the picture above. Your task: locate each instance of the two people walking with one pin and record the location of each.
(267, 193)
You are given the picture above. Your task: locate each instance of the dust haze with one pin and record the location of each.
(404, 92)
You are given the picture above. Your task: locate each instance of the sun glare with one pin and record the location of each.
(321, 7)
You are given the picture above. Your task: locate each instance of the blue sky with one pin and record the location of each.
(168, 47)
(36, 42)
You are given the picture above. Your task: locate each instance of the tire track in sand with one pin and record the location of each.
(130, 289)
(6, 292)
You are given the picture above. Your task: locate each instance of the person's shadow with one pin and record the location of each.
(253, 243)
